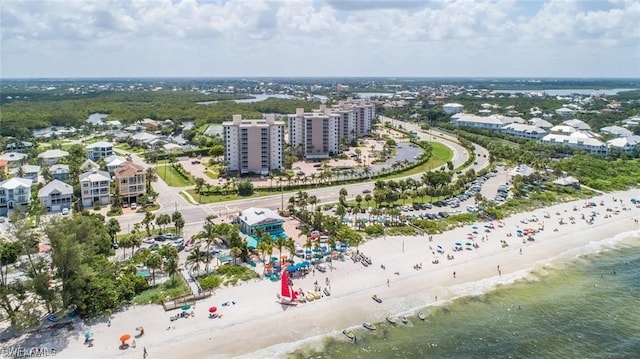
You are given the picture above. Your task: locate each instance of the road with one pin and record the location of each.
(170, 200)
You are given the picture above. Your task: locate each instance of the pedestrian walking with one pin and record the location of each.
(454, 274)
(388, 282)
(144, 353)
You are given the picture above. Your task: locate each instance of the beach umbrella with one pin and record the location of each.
(292, 268)
(305, 263)
(273, 259)
(213, 309)
(125, 337)
(469, 243)
(308, 251)
(474, 227)
(186, 307)
(42, 248)
(458, 244)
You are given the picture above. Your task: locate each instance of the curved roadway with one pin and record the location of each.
(170, 199)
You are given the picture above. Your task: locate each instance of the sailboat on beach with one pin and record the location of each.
(287, 295)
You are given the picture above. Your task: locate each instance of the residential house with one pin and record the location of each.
(493, 122)
(95, 187)
(627, 145)
(19, 146)
(55, 196)
(113, 162)
(98, 150)
(15, 193)
(51, 157)
(131, 180)
(452, 108)
(578, 140)
(59, 172)
(14, 159)
(617, 131)
(538, 122)
(27, 171)
(524, 131)
(577, 124)
(87, 165)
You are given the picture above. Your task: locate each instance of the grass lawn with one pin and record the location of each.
(213, 172)
(126, 147)
(439, 156)
(172, 177)
(143, 231)
(171, 288)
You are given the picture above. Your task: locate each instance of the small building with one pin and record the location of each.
(113, 162)
(59, 172)
(95, 187)
(577, 124)
(55, 196)
(98, 150)
(452, 108)
(627, 145)
(14, 193)
(617, 131)
(568, 181)
(27, 171)
(524, 131)
(14, 159)
(253, 218)
(19, 146)
(51, 157)
(565, 112)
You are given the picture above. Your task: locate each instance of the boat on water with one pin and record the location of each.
(349, 334)
(287, 295)
(421, 316)
(376, 298)
(369, 326)
(391, 319)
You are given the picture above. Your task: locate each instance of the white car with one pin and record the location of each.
(134, 205)
(65, 211)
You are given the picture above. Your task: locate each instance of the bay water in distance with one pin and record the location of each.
(584, 307)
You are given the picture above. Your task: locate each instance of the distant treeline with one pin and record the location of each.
(18, 118)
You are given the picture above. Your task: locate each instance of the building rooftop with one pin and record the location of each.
(100, 144)
(55, 153)
(54, 186)
(16, 182)
(95, 175)
(625, 141)
(128, 169)
(255, 215)
(617, 131)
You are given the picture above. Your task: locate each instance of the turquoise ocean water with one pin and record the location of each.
(584, 307)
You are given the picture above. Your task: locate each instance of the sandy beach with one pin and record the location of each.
(257, 326)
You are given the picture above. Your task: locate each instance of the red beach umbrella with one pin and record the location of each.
(213, 309)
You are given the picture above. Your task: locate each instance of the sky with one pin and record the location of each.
(319, 38)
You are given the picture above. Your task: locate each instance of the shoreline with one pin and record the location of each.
(258, 327)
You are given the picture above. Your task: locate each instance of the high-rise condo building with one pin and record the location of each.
(254, 145)
(318, 134)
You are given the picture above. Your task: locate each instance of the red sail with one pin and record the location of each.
(285, 292)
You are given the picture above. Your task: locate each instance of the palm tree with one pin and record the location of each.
(162, 220)
(178, 221)
(171, 268)
(194, 260)
(199, 183)
(151, 177)
(136, 241)
(235, 252)
(280, 242)
(113, 227)
(148, 218)
(154, 261)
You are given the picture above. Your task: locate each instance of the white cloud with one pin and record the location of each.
(318, 38)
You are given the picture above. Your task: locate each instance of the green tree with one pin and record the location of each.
(162, 220)
(178, 221)
(147, 220)
(245, 188)
(194, 260)
(9, 254)
(154, 261)
(113, 227)
(235, 252)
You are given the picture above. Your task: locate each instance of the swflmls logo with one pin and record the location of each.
(23, 352)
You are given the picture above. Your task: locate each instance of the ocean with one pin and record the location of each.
(585, 304)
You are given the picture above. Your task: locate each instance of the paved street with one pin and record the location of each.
(170, 199)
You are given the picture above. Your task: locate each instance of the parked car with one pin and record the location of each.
(134, 205)
(148, 240)
(195, 162)
(365, 191)
(65, 211)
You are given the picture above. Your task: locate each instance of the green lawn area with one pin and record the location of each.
(439, 156)
(213, 172)
(215, 198)
(126, 147)
(172, 177)
(170, 288)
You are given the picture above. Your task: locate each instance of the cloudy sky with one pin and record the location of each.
(216, 38)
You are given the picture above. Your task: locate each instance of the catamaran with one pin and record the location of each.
(287, 295)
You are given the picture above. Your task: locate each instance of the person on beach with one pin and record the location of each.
(144, 353)
(388, 284)
(454, 274)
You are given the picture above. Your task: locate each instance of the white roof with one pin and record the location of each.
(572, 140)
(87, 164)
(31, 168)
(617, 130)
(13, 156)
(255, 215)
(16, 182)
(55, 153)
(565, 181)
(538, 122)
(519, 127)
(171, 146)
(493, 119)
(114, 160)
(624, 141)
(95, 176)
(59, 168)
(563, 129)
(55, 185)
(579, 124)
(144, 137)
(101, 144)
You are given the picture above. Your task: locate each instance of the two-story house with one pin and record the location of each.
(27, 171)
(131, 180)
(14, 193)
(59, 172)
(55, 196)
(98, 150)
(51, 157)
(95, 188)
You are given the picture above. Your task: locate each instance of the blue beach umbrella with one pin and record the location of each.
(292, 268)
(458, 244)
